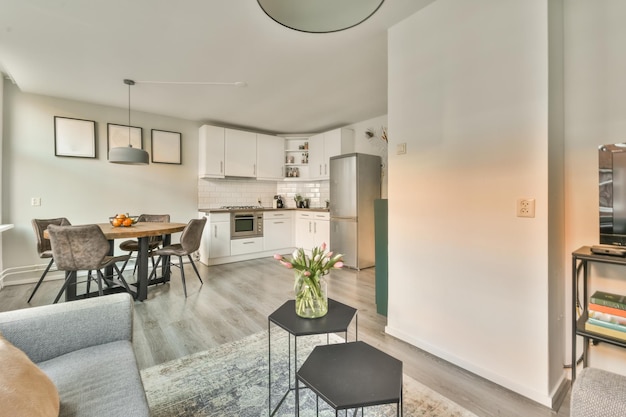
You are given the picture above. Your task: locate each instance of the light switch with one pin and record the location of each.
(401, 149)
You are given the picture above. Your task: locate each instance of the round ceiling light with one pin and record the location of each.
(320, 16)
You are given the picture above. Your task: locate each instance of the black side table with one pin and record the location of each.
(337, 320)
(351, 375)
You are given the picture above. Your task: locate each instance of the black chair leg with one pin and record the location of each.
(126, 262)
(41, 279)
(100, 276)
(65, 284)
(182, 274)
(193, 264)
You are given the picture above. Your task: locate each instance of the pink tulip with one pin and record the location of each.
(329, 254)
(287, 265)
(338, 265)
(307, 273)
(278, 257)
(323, 247)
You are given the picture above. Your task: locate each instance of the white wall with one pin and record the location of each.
(468, 280)
(595, 93)
(83, 190)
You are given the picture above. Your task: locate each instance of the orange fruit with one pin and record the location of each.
(116, 222)
(127, 222)
(121, 216)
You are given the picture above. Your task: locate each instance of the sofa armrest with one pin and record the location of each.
(53, 330)
(598, 393)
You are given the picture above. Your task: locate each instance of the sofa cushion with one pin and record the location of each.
(25, 390)
(101, 380)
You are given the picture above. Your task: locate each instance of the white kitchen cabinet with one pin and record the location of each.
(312, 229)
(325, 145)
(215, 241)
(246, 246)
(269, 157)
(296, 158)
(278, 230)
(211, 152)
(240, 153)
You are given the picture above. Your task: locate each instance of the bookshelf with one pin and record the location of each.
(581, 259)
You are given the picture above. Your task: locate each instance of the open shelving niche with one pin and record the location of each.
(296, 149)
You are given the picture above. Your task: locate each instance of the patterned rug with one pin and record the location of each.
(232, 380)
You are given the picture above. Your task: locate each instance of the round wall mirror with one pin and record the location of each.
(320, 16)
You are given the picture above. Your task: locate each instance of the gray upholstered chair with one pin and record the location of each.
(598, 393)
(189, 243)
(154, 242)
(84, 248)
(43, 245)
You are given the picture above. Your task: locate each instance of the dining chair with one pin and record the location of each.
(189, 243)
(84, 248)
(154, 242)
(43, 245)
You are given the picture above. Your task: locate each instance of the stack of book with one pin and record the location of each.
(607, 315)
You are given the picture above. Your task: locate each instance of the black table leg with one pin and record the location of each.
(142, 269)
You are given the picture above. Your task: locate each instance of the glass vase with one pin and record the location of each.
(311, 296)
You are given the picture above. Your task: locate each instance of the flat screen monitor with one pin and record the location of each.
(612, 188)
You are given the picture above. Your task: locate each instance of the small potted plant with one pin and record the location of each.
(299, 201)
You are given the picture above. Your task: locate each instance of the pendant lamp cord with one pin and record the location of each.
(129, 83)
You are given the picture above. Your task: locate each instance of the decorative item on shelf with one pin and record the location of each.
(310, 287)
(299, 200)
(127, 154)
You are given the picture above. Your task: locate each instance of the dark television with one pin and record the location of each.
(612, 181)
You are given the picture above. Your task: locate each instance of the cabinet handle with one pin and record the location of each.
(314, 227)
(279, 222)
(248, 243)
(320, 169)
(325, 169)
(215, 231)
(309, 227)
(278, 214)
(254, 169)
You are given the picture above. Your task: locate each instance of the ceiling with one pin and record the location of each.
(296, 82)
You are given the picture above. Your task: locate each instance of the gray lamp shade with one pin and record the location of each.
(128, 155)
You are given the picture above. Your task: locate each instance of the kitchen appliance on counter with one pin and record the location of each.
(278, 202)
(354, 185)
(246, 224)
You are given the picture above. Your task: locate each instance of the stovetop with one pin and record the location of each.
(241, 207)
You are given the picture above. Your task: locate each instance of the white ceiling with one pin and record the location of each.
(296, 82)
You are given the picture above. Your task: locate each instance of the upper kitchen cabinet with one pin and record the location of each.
(325, 145)
(269, 157)
(211, 152)
(240, 152)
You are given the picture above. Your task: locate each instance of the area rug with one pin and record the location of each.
(232, 380)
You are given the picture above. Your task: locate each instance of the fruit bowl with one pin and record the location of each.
(123, 220)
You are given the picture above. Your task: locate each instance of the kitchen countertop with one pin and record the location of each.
(221, 210)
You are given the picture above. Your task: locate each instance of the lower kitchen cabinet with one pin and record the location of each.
(216, 237)
(277, 230)
(312, 229)
(245, 246)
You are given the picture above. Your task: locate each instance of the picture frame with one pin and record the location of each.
(167, 147)
(117, 136)
(74, 137)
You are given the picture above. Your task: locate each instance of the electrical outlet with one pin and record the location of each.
(35, 201)
(525, 207)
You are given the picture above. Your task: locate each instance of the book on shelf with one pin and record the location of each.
(606, 317)
(608, 310)
(608, 299)
(606, 331)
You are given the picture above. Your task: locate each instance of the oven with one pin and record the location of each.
(245, 224)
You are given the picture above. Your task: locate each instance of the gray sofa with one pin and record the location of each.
(598, 393)
(85, 347)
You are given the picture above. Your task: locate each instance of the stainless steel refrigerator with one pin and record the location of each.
(354, 185)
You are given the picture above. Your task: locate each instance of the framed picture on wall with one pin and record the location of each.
(74, 137)
(167, 147)
(122, 135)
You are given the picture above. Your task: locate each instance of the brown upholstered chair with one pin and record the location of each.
(84, 248)
(43, 245)
(154, 242)
(189, 243)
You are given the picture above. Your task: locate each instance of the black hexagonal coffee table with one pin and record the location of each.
(337, 320)
(351, 375)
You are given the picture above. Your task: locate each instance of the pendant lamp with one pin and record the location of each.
(127, 154)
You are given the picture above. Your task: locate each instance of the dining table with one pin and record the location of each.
(142, 231)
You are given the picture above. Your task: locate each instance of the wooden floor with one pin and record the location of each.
(235, 301)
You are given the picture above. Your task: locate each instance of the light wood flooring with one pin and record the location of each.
(237, 298)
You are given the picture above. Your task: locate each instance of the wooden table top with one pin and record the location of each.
(141, 229)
